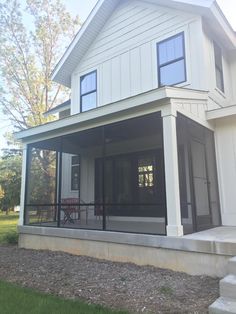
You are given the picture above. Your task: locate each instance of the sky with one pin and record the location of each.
(84, 7)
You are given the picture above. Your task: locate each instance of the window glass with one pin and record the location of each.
(171, 61)
(75, 173)
(88, 91)
(172, 73)
(88, 102)
(146, 173)
(75, 160)
(88, 83)
(171, 50)
(219, 67)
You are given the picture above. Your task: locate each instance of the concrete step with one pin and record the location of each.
(228, 287)
(232, 266)
(223, 306)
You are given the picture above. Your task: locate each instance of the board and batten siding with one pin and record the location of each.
(226, 98)
(124, 53)
(225, 134)
(233, 74)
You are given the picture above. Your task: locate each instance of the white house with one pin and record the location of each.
(143, 157)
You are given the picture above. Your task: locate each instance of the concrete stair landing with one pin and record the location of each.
(232, 266)
(227, 301)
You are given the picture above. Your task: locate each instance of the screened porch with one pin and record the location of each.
(112, 178)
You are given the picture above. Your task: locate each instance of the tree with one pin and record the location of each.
(10, 179)
(2, 193)
(32, 38)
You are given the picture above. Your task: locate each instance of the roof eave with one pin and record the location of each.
(129, 104)
(224, 30)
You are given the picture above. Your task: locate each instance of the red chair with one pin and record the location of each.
(73, 207)
(70, 207)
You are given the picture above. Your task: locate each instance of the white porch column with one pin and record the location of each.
(174, 226)
(23, 181)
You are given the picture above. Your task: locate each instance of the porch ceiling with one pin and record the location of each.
(130, 129)
(149, 102)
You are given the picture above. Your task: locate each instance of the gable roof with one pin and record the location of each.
(62, 107)
(103, 10)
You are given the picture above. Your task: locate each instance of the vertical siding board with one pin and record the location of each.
(125, 75)
(106, 83)
(116, 79)
(135, 71)
(75, 92)
(146, 67)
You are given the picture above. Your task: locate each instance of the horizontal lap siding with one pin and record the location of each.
(124, 52)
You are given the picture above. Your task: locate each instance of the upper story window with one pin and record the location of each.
(219, 68)
(171, 60)
(75, 173)
(88, 91)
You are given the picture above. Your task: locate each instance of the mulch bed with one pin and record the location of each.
(115, 285)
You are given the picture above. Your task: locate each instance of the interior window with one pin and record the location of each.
(145, 173)
(219, 68)
(88, 91)
(75, 173)
(171, 60)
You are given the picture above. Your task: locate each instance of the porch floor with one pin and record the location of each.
(219, 234)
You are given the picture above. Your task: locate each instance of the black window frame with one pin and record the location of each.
(88, 93)
(219, 67)
(172, 61)
(71, 171)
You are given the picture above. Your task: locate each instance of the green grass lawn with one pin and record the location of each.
(8, 225)
(15, 300)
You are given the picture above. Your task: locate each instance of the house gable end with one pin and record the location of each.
(133, 23)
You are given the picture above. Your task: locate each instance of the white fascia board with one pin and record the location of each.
(155, 96)
(76, 39)
(221, 113)
(201, 3)
(216, 16)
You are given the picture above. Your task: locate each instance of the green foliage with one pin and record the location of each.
(8, 225)
(166, 290)
(2, 193)
(42, 177)
(10, 237)
(32, 38)
(27, 301)
(10, 180)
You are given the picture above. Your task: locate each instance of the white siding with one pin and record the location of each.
(124, 53)
(226, 160)
(233, 75)
(208, 71)
(66, 177)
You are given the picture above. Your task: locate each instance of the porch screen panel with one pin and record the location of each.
(134, 185)
(198, 176)
(185, 182)
(79, 207)
(41, 197)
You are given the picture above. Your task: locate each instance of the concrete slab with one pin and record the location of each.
(219, 234)
(223, 306)
(228, 287)
(204, 242)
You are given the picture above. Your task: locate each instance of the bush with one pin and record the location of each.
(11, 237)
